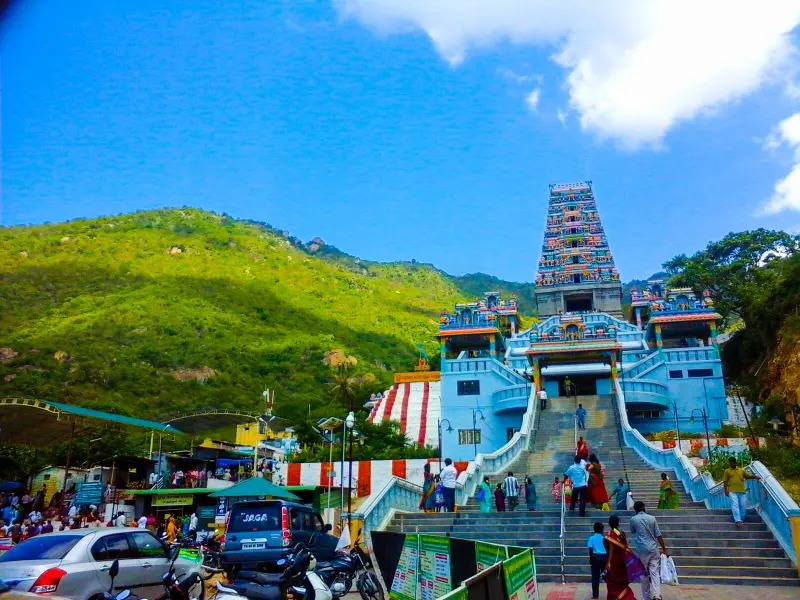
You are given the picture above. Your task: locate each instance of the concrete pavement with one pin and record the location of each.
(583, 591)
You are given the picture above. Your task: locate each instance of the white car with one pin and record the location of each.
(75, 563)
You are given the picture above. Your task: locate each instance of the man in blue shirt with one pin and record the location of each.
(580, 416)
(580, 478)
(597, 557)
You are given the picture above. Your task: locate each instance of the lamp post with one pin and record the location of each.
(350, 421)
(449, 430)
(475, 411)
(705, 424)
(677, 426)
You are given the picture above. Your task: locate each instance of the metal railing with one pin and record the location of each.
(767, 496)
(562, 535)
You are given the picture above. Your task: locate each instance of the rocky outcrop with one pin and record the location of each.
(201, 375)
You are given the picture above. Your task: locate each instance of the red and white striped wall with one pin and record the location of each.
(416, 406)
(368, 476)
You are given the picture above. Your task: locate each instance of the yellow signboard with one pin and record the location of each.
(417, 376)
(175, 500)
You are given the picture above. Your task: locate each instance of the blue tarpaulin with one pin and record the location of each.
(232, 462)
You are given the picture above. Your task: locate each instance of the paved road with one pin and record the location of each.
(572, 591)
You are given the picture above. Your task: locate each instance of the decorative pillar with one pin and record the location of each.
(614, 369)
(714, 335)
(794, 523)
(443, 348)
(492, 347)
(537, 374)
(659, 343)
(638, 311)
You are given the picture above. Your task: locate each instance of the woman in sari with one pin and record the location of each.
(582, 449)
(485, 491)
(598, 495)
(530, 494)
(667, 496)
(616, 577)
(427, 488)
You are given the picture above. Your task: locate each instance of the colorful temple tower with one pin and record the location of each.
(576, 269)
(665, 364)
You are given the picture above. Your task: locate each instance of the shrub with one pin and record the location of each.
(718, 460)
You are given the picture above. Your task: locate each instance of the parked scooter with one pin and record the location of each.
(298, 581)
(190, 587)
(347, 567)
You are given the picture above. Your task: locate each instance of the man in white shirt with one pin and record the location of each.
(35, 516)
(542, 399)
(511, 489)
(142, 522)
(73, 512)
(120, 521)
(448, 479)
(193, 522)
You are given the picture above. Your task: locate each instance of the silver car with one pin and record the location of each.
(75, 563)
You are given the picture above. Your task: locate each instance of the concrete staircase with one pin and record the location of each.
(706, 545)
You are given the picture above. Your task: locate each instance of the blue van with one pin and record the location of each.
(263, 532)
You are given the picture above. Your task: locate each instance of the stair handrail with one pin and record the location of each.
(767, 496)
(562, 535)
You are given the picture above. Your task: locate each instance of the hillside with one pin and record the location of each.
(161, 312)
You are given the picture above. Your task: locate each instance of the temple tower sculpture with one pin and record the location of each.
(576, 270)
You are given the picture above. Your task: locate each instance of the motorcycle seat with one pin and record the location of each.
(259, 578)
(257, 592)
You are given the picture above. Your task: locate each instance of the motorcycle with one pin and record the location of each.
(339, 574)
(190, 587)
(298, 581)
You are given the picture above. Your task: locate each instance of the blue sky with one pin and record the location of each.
(390, 132)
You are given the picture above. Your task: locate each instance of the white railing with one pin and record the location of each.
(402, 495)
(768, 497)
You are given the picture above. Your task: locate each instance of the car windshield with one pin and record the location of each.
(54, 547)
(255, 518)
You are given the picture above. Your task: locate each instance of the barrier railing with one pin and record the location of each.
(400, 494)
(562, 535)
(691, 354)
(768, 497)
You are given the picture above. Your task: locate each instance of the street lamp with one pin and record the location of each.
(775, 422)
(449, 430)
(677, 426)
(350, 421)
(702, 411)
(475, 411)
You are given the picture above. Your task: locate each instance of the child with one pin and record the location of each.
(556, 491)
(597, 557)
(439, 496)
(500, 498)
(567, 490)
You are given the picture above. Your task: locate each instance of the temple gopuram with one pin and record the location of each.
(665, 360)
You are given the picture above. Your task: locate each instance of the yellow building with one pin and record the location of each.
(249, 434)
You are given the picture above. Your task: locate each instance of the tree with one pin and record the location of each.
(345, 385)
(739, 270)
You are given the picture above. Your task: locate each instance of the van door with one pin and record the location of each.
(325, 546)
(298, 519)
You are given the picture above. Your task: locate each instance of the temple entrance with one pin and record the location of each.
(582, 385)
(578, 302)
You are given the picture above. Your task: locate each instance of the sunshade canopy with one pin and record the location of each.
(255, 487)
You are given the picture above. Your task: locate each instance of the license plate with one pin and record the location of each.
(254, 546)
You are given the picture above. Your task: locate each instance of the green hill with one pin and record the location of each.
(162, 312)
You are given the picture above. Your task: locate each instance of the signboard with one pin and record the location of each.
(520, 576)
(174, 500)
(90, 492)
(404, 583)
(435, 576)
(417, 376)
(487, 554)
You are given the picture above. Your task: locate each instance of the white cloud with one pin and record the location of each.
(519, 78)
(786, 195)
(532, 99)
(634, 69)
(562, 115)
